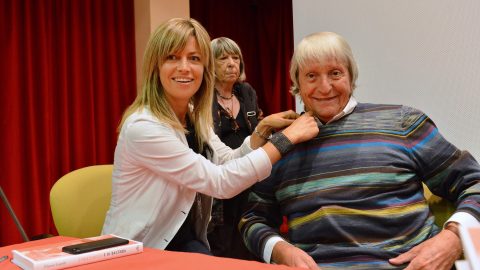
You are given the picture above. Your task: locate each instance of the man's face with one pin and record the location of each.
(325, 87)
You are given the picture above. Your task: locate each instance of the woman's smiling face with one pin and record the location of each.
(181, 73)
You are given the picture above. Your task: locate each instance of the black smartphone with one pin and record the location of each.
(94, 245)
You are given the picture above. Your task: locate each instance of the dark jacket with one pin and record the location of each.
(248, 104)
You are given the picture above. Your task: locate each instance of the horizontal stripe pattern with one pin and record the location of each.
(353, 195)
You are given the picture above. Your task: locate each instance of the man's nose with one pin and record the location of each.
(325, 84)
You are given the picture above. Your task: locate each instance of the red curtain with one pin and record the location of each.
(67, 72)
(264, 31)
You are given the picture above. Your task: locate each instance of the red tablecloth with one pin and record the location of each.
(150, 259)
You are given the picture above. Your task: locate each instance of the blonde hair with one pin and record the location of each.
(168, 38)
(318, 47)
(224, 45)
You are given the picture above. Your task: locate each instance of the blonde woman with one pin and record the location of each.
(168, 161)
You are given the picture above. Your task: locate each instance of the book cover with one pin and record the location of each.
(51, 256)
(471, 246)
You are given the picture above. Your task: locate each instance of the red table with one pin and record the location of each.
(150, 259)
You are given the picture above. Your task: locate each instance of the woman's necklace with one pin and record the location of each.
(222, 97)
(231, 107)
(229, 110)
(225, 105)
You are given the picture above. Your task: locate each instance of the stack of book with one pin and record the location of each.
(55, 256)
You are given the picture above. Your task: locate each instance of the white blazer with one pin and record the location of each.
(156, 176)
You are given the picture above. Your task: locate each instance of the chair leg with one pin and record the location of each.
(14, 217)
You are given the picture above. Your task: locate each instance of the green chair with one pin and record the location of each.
(441, 208)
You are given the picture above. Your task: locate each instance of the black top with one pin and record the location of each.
(224, 237)
(233, 131)
(186, 233)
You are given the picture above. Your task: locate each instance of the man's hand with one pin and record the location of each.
(438, 253)
(287, 254)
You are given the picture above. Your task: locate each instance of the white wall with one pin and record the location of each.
(425, 54)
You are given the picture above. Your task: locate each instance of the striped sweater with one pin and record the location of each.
(353, 195)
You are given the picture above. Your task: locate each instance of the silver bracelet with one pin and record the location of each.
(261, 135)
(282, 143)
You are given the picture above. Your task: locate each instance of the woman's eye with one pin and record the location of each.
(171, 57)
(195, 58)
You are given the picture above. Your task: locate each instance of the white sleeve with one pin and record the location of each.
(267, 251)
(464, 219)
(225, 153)
(159, 148)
